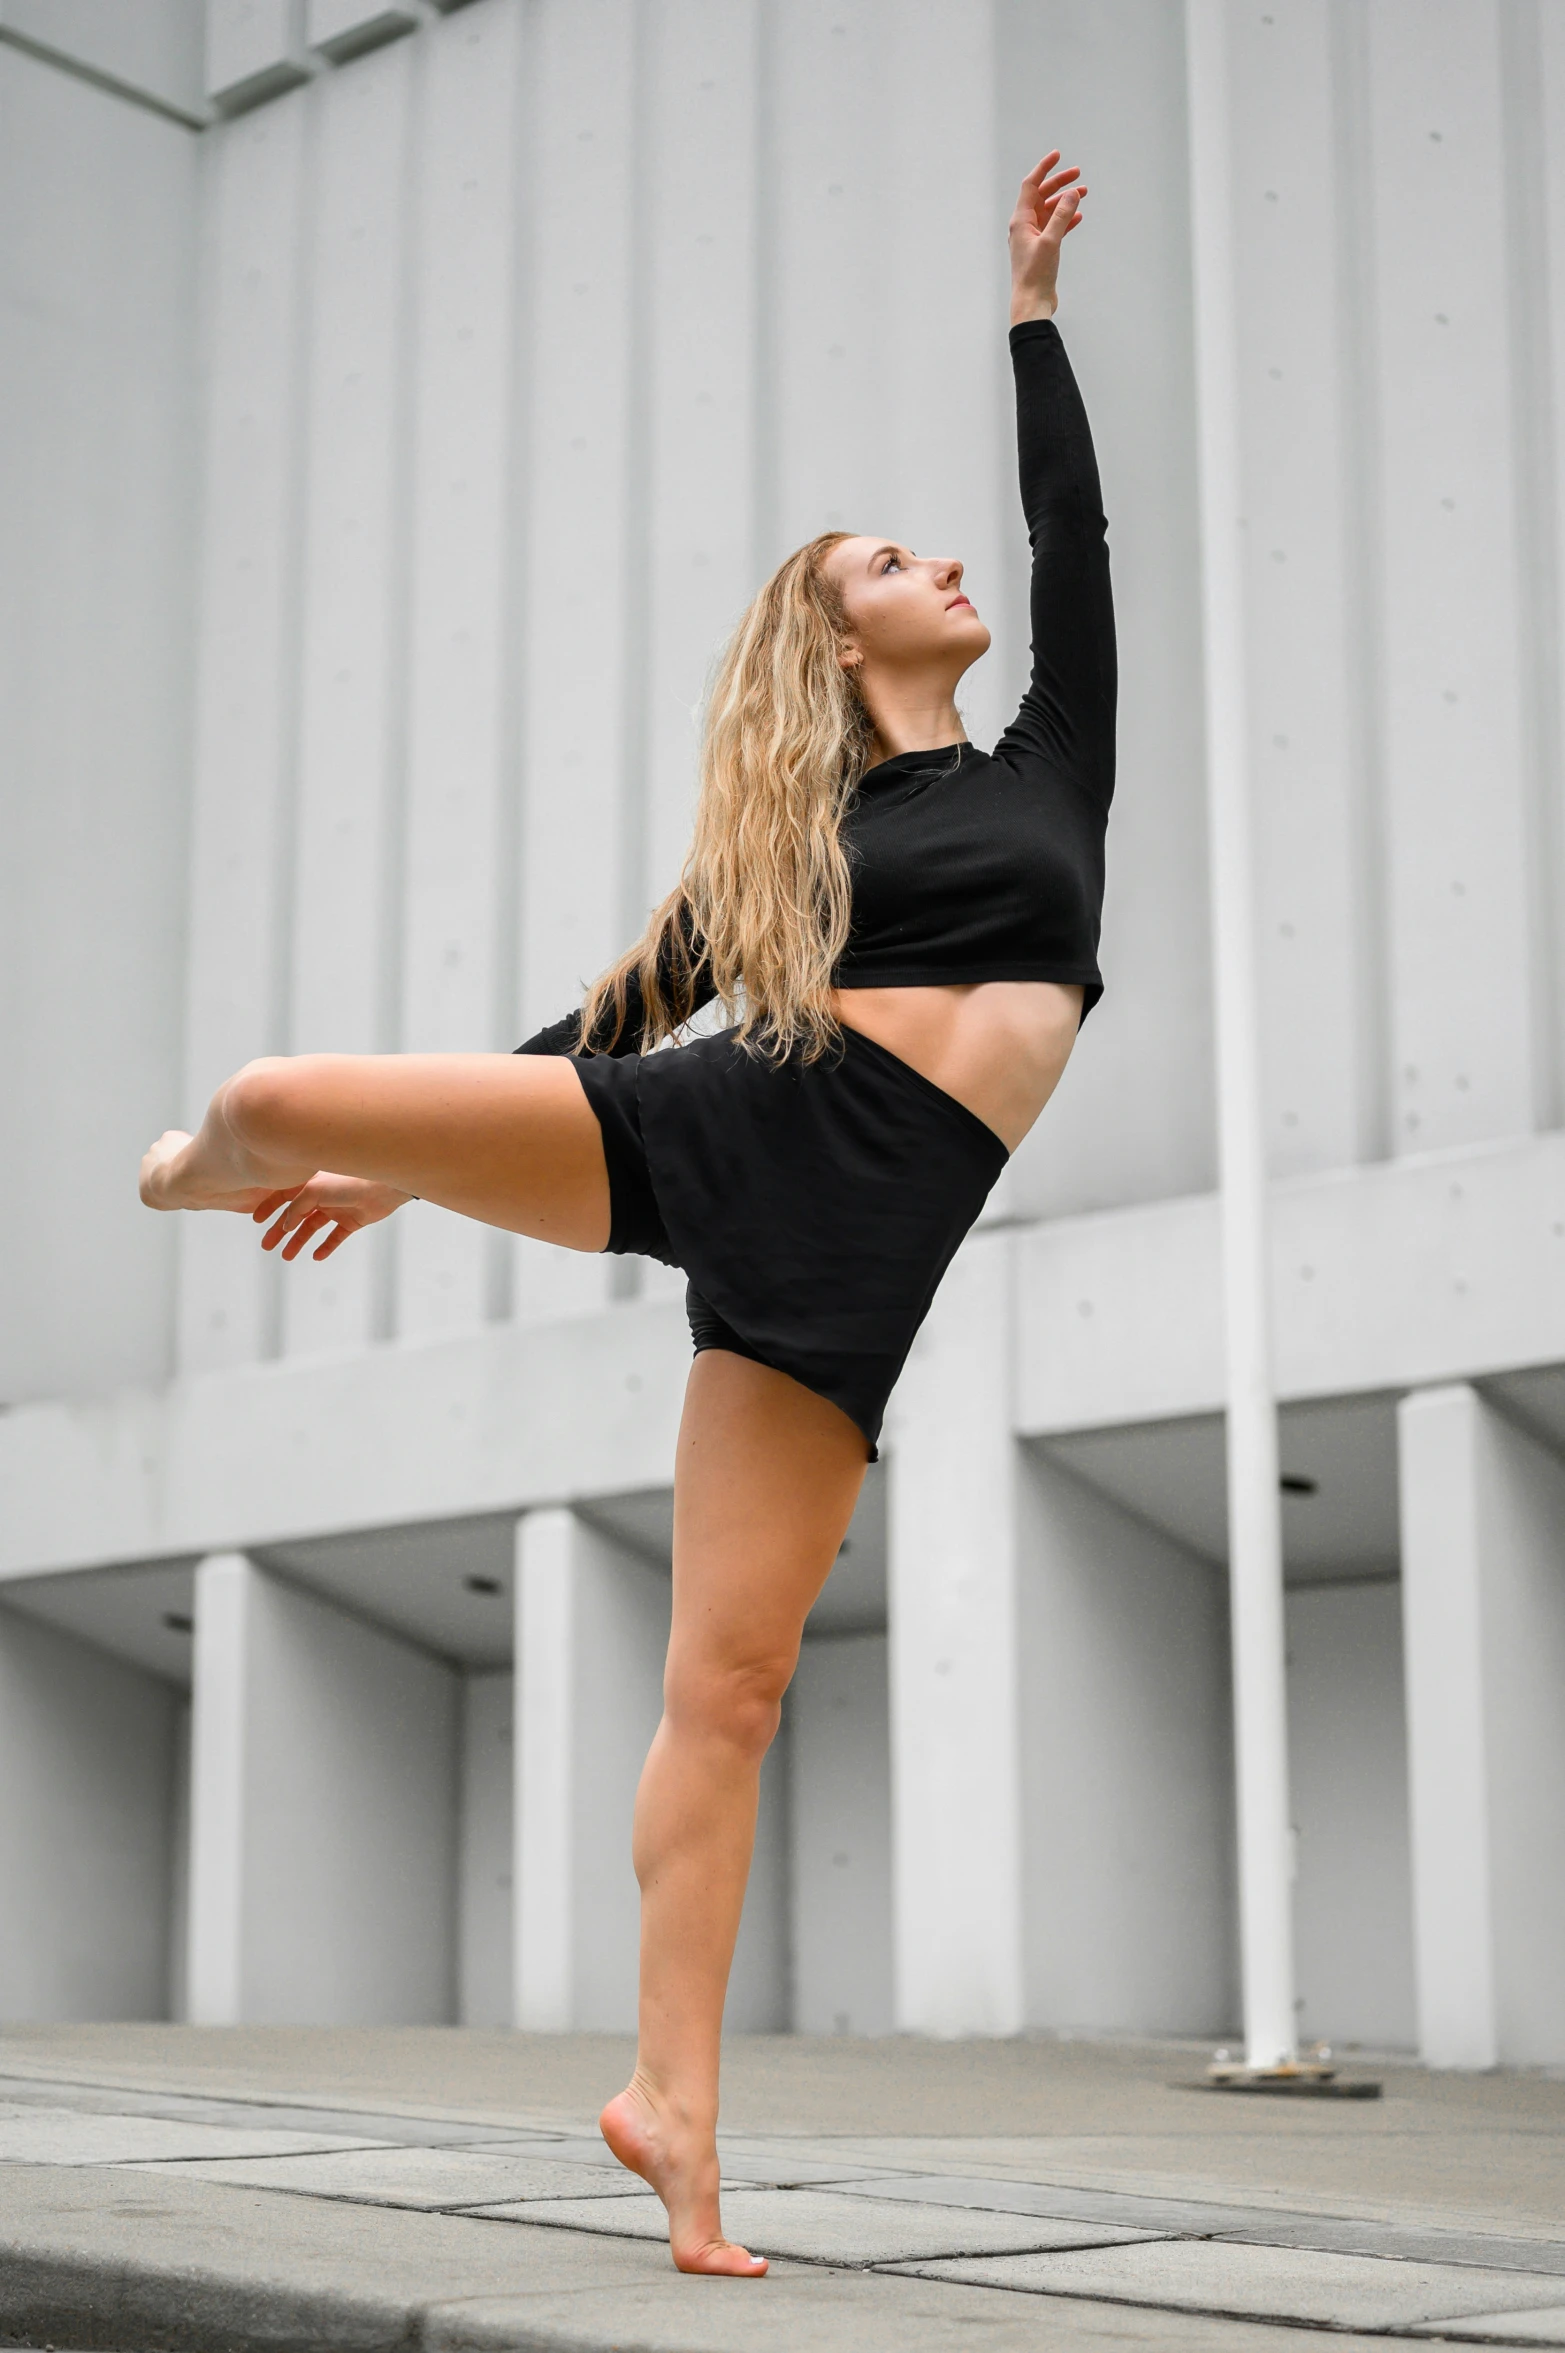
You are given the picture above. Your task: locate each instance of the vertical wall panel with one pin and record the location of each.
(1548, 320)
(1461, 1012)
(484, 1862)
(840, 1837)
(1347, 1774)
(699, 398)
(832, 342)
(1306, 780)
(945, 401)
(1132, 1120)
(243, 771)
(463, 261)
(351, 670)
(699, 98)
(582, 362)
(86, 1833)
(1126, 1768)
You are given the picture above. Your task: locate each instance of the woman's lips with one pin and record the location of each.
(959, 600)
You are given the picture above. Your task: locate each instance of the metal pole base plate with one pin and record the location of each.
(1294, 2078)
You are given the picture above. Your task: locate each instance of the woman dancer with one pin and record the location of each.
(904, 932)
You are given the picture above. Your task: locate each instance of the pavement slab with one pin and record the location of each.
(107, 2261)
(1502, 2328)
(64, 2136)
(1141, 2217)
(1269, 2283)
(430, 2179)
(814, 2226)
(774, 2168)
(263, 2190)
(358, 2126)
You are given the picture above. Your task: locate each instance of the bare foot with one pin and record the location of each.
(680, 2163)
(167, 1184)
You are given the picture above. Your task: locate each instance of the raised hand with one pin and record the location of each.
(345, 1204)
(1048, 207)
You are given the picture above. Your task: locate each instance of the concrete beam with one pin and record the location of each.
(501, 1420)
(1396, 1276)
(150, 53)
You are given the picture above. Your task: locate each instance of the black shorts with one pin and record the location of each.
(635, 1222)
(814, 1206)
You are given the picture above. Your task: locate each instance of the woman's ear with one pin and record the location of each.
(850, 656)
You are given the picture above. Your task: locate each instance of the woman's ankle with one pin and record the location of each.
(675, 2109)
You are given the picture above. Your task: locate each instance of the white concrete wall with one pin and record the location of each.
(98, 419)
(1352, 1897)
(324, 1813)
(1122, 1666)
(88, 1767)
(1133, 1118)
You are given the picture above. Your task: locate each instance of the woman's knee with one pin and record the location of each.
(260, 1103)
(737, 1701)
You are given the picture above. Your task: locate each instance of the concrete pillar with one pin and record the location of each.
(840, 1834)
(1352, 1897)
(955, 1764)
(591, 1632)
(1128, 1831)
(323, 1813)
(486, 1876)
(1483, 1598)
(89, 1772)
(592, 1623)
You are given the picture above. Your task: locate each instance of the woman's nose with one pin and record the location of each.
(949, 572)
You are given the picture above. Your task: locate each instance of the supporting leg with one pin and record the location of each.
(766, 1478)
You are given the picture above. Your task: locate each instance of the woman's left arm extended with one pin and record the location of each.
(684, 975)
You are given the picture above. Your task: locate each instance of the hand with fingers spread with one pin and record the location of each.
(1047, 209)
(343, 1203)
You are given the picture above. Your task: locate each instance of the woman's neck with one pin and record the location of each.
(913, 722)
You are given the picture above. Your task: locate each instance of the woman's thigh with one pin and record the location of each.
(766, 1476)
(509, 1139)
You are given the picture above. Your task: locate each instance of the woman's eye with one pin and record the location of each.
(891, 564)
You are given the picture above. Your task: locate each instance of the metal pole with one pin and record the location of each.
(1254, 1521)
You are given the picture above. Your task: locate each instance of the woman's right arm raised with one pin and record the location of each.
(1067, 715)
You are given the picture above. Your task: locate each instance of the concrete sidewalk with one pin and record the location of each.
(229, 2190)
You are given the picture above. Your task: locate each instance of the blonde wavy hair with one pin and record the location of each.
(764, 902)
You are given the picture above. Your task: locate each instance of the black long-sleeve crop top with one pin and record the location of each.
(974, 866)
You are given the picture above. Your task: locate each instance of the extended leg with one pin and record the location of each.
(508, 1139)
(766, 1478)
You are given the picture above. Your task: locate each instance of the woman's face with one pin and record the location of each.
(905, 612)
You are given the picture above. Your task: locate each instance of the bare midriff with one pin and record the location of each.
(998, 1046)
